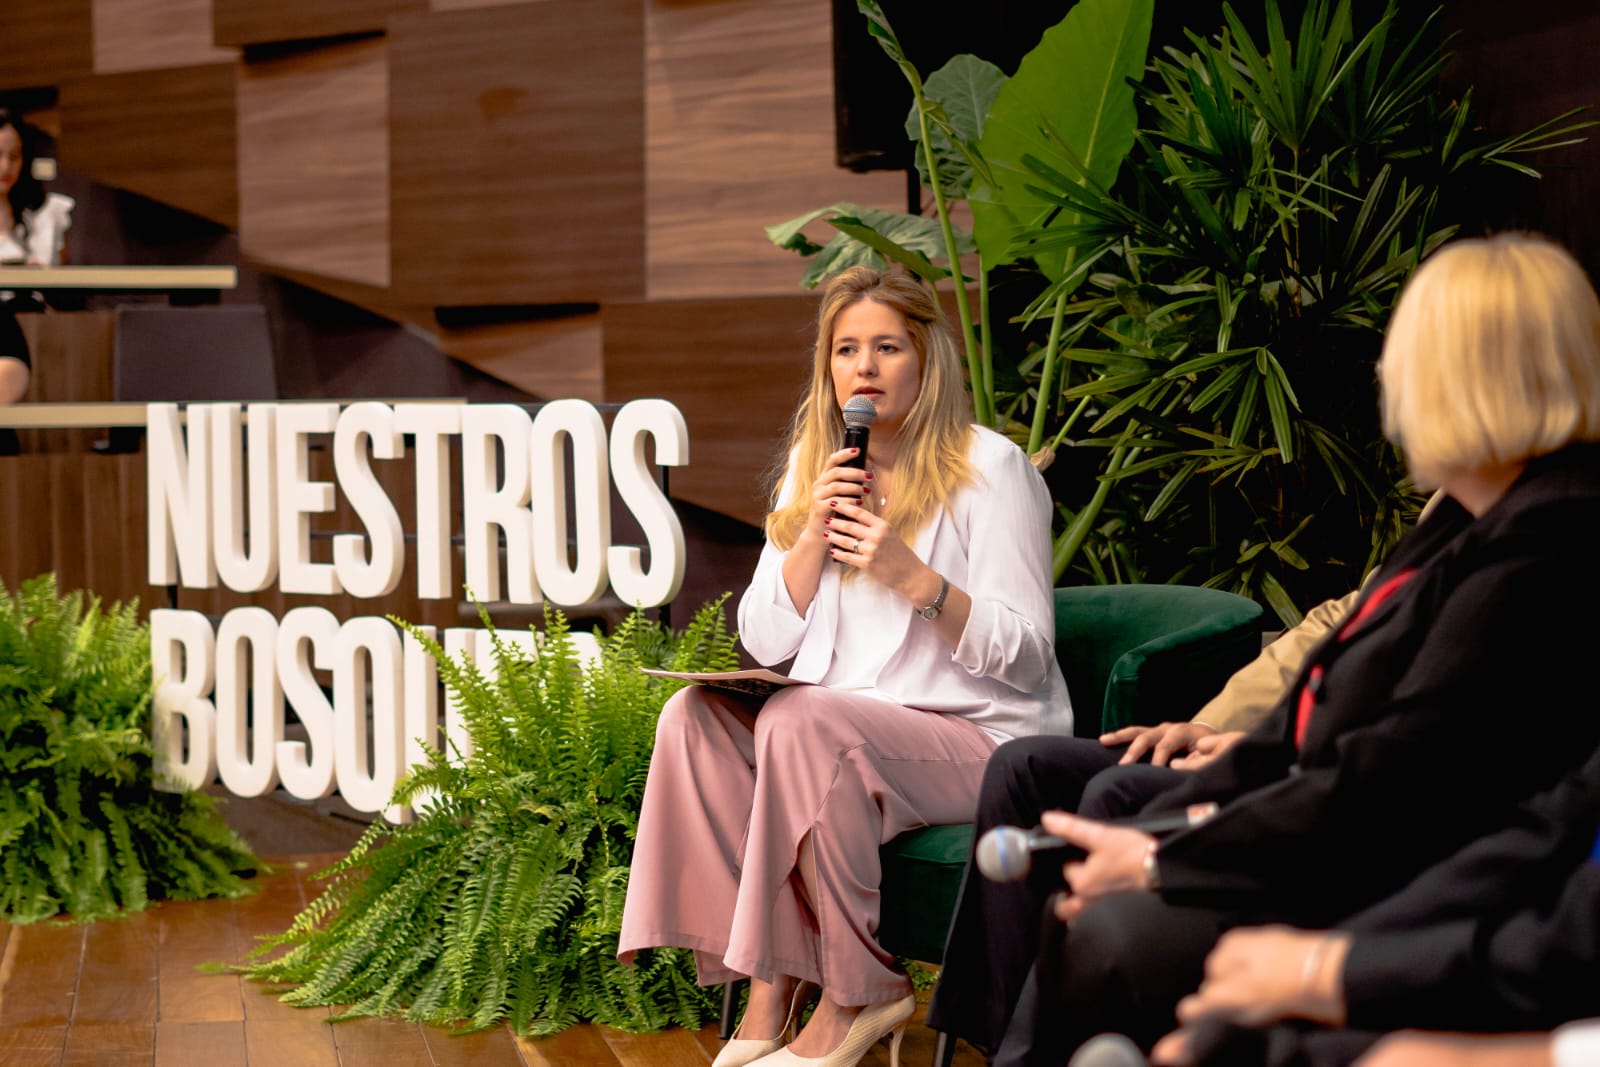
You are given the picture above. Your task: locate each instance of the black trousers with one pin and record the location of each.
(1122, 966)
(995, 933)
(1218, 1044)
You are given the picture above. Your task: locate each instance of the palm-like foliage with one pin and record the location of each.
(503, 900)
(1203, 323)
(82, 828)
(1223, 355)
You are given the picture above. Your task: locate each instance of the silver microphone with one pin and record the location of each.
(859, 414)
(1005, 854)
(1108, 1050)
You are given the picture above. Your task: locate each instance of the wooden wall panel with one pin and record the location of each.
(166, 134)
(550, 358)
(735, 368)
(149, 34)
(25, 491)
(313, 161)
(44, 42)
(517, 149)
(242, 22)
(1523, 71)
(461, 5)
(71, 357)
(740, 115)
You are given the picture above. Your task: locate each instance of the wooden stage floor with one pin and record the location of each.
(127, 992)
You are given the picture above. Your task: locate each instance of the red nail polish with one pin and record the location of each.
(827, 520)
(833, 503)
(869, 476)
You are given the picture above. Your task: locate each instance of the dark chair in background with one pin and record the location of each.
(193, 353)
(161, 354)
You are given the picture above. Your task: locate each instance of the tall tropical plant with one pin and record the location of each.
(1203, 321)
(1221, 361)
(83, 829)
(503, 900)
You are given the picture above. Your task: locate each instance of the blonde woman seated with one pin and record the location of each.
(914, 594)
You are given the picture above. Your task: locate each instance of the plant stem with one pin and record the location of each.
(1047, 375)
(982, 398)
(987, 338)
(1071, 421)
(1072, 538)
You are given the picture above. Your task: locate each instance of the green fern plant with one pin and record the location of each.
(82, 828)
(503, 900)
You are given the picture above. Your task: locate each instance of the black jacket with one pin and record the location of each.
(1464, 693)
(1505, 935)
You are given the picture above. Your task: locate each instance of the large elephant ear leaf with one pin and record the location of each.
(1071, 106)
(867, 235)
(958, 95)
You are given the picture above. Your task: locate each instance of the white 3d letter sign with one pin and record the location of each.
(235, 494)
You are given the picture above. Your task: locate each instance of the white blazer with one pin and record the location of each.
(993, 541)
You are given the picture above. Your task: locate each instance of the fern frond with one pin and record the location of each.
(503, 899)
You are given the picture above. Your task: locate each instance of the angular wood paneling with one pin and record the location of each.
(735, 368)
(313, 160)
(551, 358)
(44, 42)
(165, 134)
(1522, 71)
(242, 22)
(740, 114)
(460, 5)
(71, 356)
(149, 34)
(517, 153)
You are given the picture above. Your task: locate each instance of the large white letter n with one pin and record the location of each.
(178, 498)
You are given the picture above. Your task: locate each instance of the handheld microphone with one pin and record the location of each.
(1108, 1050)
(1005, 854)
(859, 413)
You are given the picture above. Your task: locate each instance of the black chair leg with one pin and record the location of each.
(730, 1000)
(945, 1050)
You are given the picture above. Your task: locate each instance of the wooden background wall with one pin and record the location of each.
(568, 194)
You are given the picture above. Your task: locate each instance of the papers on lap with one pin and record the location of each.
(759, 683)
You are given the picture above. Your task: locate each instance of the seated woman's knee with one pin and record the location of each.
(789, 717)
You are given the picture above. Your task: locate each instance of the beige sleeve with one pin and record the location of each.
(1254, 690)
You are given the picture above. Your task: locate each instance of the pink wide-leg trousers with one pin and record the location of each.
(732, 795)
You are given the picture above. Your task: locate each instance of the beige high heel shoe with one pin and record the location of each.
(740, 1051)
(871, 1026)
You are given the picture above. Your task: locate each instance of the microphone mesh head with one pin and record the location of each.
(859, 411)
(1003, 854)
(1108, 1050)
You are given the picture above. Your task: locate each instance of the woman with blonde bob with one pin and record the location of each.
(913, 595)
(1492, 358)
(1444, 700)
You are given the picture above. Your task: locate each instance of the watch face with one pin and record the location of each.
(931, 611)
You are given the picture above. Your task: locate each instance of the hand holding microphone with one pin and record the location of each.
(1006, 853)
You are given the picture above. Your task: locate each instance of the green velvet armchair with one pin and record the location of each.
(1131, 654)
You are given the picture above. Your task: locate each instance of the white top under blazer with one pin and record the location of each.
(991, 540)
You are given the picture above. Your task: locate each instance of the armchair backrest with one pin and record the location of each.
(1149, 653)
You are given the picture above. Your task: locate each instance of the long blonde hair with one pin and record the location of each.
(932, 462)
